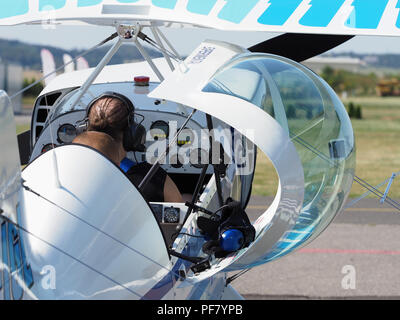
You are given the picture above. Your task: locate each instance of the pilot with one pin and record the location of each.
(111, 114)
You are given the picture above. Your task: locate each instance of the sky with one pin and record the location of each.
(184, 40)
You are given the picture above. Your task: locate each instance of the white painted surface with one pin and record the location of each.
(92, 225)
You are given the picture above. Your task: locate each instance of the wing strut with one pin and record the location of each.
(85, 87)
(113, 36)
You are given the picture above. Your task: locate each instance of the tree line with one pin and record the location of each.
(28, 55)
(353, 84)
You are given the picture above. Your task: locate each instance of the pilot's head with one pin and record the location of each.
(109, 115)
(113, 113)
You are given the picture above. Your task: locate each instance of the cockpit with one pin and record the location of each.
(166, 124)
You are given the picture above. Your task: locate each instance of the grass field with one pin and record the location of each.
(22, 128)
(377, 142)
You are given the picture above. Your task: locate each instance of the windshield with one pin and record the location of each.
(65, 105)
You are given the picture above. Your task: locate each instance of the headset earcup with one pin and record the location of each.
(128, 138)
(140, 134)
(134, 138)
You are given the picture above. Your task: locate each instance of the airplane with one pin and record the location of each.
(72, 224)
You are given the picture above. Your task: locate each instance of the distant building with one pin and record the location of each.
(388, 87)
(371, 60)
(317, 64)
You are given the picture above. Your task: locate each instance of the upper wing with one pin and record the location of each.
(345, 17)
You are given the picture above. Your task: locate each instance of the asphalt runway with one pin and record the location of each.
(356, 257)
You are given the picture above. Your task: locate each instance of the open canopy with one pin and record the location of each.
(346, 17)
(295, 119)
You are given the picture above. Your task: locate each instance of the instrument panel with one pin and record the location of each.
(162, 120)
(161, 132)
(187, 155)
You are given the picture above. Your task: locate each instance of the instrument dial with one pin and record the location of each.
(48, 147)
(159, 130)
(66, 133)
(185, 138)
(176, 161)
(199, 158)
(171, 215)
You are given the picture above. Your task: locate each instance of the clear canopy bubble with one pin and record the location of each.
(317, 123)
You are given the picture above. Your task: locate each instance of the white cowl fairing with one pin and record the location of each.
(90, 228)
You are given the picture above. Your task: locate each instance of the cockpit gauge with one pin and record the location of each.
(198, 158)
(171, 215)
(48, 147)
(159, 130)
(185, 138)
(176, 161)
(66, 133)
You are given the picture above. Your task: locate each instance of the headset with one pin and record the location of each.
(227, 233)
(134, 135)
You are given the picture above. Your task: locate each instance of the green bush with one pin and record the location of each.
(34, 91)
(355, 112)
(351, 110)
(358, 113)
(291, 112)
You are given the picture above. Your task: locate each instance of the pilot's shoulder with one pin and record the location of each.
(144, 167)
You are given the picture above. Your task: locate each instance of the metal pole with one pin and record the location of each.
(106, 59)
(114, 35)
(160, 43)
(149, 60)
(147, 57)
(168, 43)
(388, 188)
